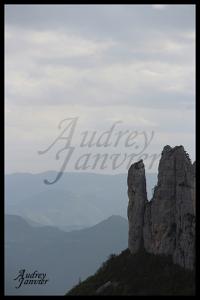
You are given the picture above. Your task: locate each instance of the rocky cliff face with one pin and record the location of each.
(166, 224)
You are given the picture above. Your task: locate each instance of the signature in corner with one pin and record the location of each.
(26, 278)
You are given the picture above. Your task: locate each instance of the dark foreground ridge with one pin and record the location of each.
(139, 274)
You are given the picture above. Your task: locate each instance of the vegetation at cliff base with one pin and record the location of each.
(139, 274)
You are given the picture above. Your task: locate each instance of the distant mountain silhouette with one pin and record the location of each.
(76, 201)
(64, 256)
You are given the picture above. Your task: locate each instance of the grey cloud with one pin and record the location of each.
(100, 94)
(100, 21)
(136, 64)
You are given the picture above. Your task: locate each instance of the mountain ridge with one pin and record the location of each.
(56, 251)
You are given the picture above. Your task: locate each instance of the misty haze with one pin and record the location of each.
(100, 190)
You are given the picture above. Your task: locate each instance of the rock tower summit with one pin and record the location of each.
(166, 223)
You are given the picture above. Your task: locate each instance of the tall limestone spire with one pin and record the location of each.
(137, 197)
(166, 224)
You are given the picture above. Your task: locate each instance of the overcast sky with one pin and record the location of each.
(99, 64)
